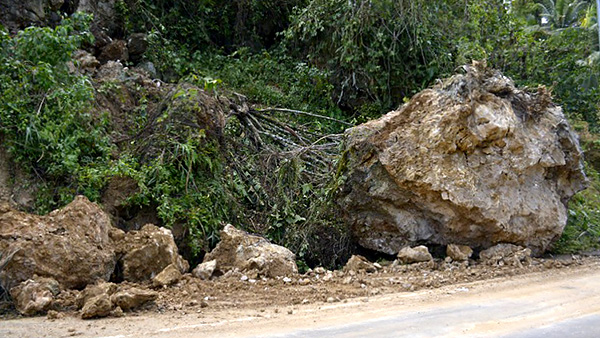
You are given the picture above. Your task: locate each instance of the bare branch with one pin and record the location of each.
(283, 110)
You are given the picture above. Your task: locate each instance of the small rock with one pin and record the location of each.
(97, 307)
(287, 280)
(34, 295)
(86, 62)
(93, 290)
(304, 281)
(133, 297)
(244, 278)
(459, 253)
(330, 299)
(205, 270)
(203, 304)
(320, 270)
(116, 50)
(408, 255)
(137, 44)
(305, 301)
(149, 251)
(169, 276)
(238, 249)
(54, 315)
(117, 312)
(359, 263)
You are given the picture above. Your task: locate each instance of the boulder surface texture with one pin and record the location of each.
(240, 250)
(71, 245)
(147, 252)
(472, 161)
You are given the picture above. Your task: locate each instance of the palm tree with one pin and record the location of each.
(558, 14)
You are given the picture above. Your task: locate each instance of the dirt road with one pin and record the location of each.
(528, 305)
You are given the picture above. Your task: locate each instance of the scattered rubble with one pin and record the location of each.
(505, 253)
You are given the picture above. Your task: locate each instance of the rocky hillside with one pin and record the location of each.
(130, 138)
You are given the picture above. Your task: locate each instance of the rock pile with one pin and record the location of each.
(76, 247)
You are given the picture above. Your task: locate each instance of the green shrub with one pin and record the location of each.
(46, 111)
(582, 232)
(384, 50)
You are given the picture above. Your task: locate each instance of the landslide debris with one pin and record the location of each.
(472, 160)
(71, 245)
(241, 251)
(45, 260)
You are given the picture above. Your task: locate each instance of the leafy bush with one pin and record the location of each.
(563, 60)
(582, 232)
(45, 110)
(382, 51)
(212, 23)
(269, 79)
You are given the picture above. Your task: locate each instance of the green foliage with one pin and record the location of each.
(269, 79)
(46, 111)
(564, 60)
(582, 232)
(187, 186)
(561, 13)
(210, 23)
(382, 51)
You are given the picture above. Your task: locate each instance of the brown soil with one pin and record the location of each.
(206, 305)
(193, 295)
(246, 291)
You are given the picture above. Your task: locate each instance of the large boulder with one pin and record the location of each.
(238, 249)
(472, 160)
(71, 245)
(147, 252)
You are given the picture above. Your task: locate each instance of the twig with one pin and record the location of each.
(283, 110)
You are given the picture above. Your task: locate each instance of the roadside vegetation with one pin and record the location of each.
(344, 61)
